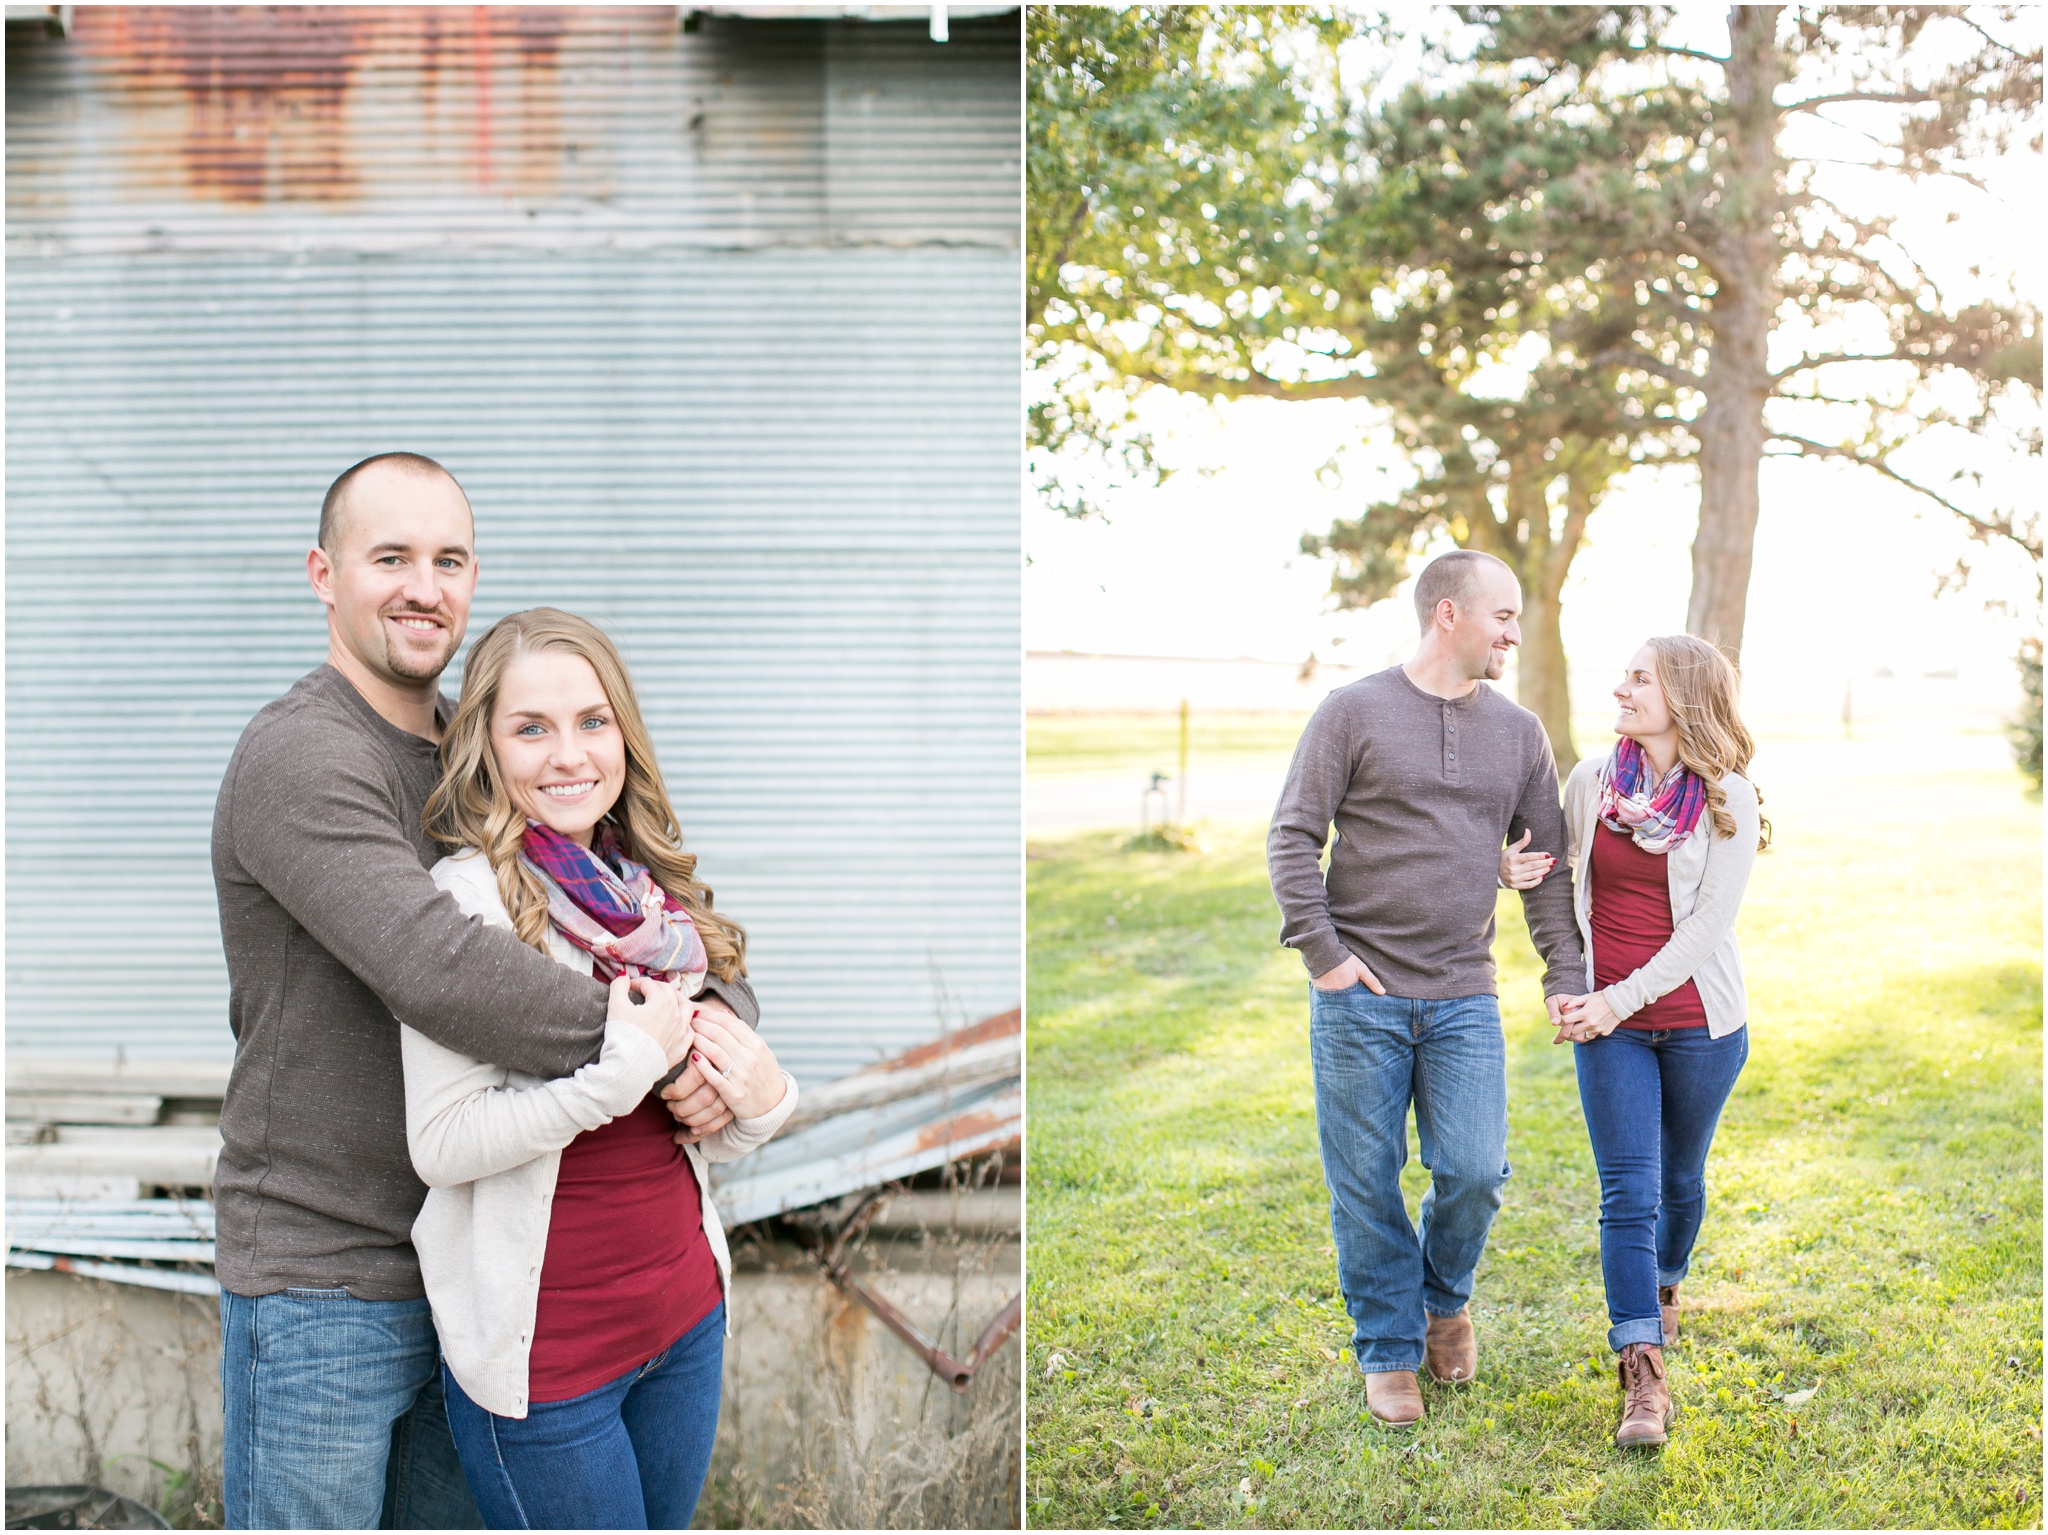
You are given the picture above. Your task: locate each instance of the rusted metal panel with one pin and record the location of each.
(785, 481)
(866, 1148)
(94, 1161)
(190, 1283)
(119, 1240)
(987, 1052)
(700, 381)
(120, 1236)
(1003, 1026)
(396, 128)
(85, 1108)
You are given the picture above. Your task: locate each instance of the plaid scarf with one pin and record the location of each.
(1658, 815)
(603, 902)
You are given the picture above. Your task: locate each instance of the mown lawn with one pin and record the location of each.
(1873, 1238)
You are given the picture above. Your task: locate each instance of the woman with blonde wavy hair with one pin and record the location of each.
(1664, 831)
(573, 1259)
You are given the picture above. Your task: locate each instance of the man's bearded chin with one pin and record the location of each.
(408, 664)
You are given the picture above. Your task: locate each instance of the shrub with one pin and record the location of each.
(2025, 730)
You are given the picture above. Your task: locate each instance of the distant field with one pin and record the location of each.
(1864, 1348)
(1061, 744)
(1146, 743)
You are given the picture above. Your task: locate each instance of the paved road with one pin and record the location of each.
(1058, 806)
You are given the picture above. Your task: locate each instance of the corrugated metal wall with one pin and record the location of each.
(719, 331)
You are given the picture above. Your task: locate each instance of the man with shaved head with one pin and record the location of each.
(397, 644)
(1425, 772)
(334, 931)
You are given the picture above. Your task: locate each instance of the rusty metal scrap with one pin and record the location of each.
(119, 1273)
(957, 1373)
(832, 1241)
(963, 1060)
(120, 1240)
(946, 1100)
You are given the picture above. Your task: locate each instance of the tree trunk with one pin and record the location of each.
(1744, 261)
(1541, 684)
(1731, 434)
(1544, 689)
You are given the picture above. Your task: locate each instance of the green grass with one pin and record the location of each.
(1873, 1227)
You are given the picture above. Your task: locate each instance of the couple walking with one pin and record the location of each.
(1441, 792)
(489, 1031)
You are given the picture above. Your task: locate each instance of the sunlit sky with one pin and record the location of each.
(1846, 564)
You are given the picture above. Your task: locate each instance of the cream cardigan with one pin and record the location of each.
(487, 1141)
(1707, 875)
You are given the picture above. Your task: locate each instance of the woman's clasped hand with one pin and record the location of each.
(731, 1075)
(1584, 1018)
(657, 1009)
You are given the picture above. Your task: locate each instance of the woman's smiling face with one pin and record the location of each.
(1644, 713)
(559, 751)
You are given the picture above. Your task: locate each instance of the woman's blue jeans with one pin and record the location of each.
(631, 1455)
(1652, 1099)
(1374, 1056)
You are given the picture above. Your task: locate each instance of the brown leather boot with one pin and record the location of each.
(1450, 1350)
(1645, 1397)
(1394, 1397)
(1667, 1304)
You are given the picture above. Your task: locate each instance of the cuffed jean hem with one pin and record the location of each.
(1387, 1367)
(1429, 1310)
(1622, 1334)
(1667, 1277)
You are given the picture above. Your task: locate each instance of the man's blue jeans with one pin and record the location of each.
(1652, 1099)
(334, 1416)
(1373, 1056)
(630, 1455)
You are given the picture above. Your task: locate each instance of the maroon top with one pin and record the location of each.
(1631, 900)
(628, 1268)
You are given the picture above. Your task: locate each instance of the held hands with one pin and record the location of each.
(656, 1009)
(1351, 973)
(732, 1075)
(1524, 871)
(1581, 1020)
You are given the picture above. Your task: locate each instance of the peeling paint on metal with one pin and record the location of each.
(961, 1129)
(999, 1027)
(389, 128)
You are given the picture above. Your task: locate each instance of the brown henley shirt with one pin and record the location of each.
(1423, 791)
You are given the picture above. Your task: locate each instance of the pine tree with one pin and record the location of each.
(1587, 179)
